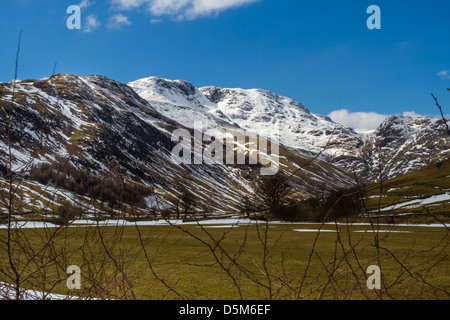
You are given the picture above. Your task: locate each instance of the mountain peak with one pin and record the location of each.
(254, 110)
(271, 115)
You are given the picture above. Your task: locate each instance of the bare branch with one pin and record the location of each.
(442, 113)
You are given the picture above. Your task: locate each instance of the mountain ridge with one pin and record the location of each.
(302, 131)
(106, 129)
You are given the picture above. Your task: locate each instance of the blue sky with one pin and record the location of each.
(320, 53)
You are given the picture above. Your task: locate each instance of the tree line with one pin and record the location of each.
(114, 190)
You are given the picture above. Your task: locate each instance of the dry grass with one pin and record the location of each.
(178, 264)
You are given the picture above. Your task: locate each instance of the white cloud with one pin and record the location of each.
(411, 114)
(444, 74)
(85, 3)
(208, 7)
(91, 23)
(358, 120)
(128, 4)
(171, 7)
(182, 9)
(365, 121)
(117, 21)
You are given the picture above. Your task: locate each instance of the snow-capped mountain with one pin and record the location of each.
(106, 129)
(404, 144)
(254, 110)
(109, 129)
(299, 129)
(180, 100)
(401, 144)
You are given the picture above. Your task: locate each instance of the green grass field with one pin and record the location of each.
(234, 263)
(246, 262)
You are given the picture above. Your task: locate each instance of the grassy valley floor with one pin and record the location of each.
(246, 261)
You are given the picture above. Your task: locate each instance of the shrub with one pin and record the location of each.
(102, 188)
(67, 212)
(336, 205)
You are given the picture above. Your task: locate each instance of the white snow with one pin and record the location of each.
(209, 222)
(7, 292)
(313, 230)
(253, 110)
(417, 203)
(382, 231)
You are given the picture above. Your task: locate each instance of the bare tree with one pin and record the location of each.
(185, 204)
(248, 205)
(273, 191)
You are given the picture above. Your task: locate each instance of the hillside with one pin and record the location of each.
(399, 145)
(107, 147)
(88, 136)
(421, 195)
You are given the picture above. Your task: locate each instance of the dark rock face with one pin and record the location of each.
(214, 94)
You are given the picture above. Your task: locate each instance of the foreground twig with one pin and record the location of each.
(442, 113)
